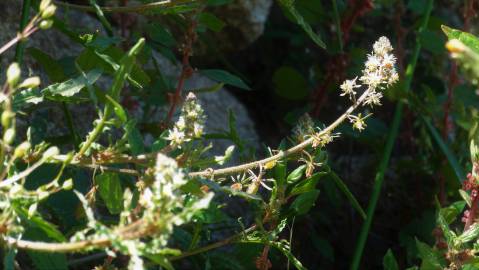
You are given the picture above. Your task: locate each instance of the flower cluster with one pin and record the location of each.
(164, 204)
(190, 125)
(379, 71)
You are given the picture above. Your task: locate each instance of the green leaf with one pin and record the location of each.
(431, 260)
(303, 203)
(289, 6)
(44, 260)
(27, 96)
(51, 67)
(224, 77)
(73, 86)
(451, 212)
(389, 261)
(471, 234)
(211, 21)
(161, 260)
(111, 192)
(290, 84)
(307, 185)
(451, 158)
(280, 172)
(340, 184)
(37, 222)
(117, 109)
(160, 34)
(468, 39)
(296, 174)
(210, 89)
(135, 140)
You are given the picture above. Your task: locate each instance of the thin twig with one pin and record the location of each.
(129, 9)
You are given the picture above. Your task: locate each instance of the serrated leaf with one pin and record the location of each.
(110, 190)
(289, 6)
(73, 86)
(225, 77)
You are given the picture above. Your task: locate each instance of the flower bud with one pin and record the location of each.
(44, 4)
(13, 74)
(52, 151)
(9, 136)
(46, 24)
(22, 149)
(7, 117)
(32, 209)
(30, 82)
(68, 184)
(49, 11)
(455, 46)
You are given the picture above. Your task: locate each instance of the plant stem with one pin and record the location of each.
(134, 9)
(379, 178)
(23, 23)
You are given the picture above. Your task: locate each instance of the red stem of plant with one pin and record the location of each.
(185, 71)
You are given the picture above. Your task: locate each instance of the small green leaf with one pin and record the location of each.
(9, 259)
(224, 77)
(430, 258)
(389, 261)
(118, 109)
(135, 139)
(286, 250)
(307, 185)
(303, 203)
(289, 6)
(52, 68)
(211, 21)
(280, 172)
(296, 174)
(109, 186)
(73, 86)
(210, 89)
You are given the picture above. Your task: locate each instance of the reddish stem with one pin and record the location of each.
(471, 218)
(186, 69)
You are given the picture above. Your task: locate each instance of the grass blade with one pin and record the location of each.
(378, 180)
(348, 194)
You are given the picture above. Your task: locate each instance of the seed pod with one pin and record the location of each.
(13, 74)
(9, 136)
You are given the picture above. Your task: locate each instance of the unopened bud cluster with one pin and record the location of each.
(190, 125)
(47, 10)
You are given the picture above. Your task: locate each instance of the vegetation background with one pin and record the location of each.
(280, 59)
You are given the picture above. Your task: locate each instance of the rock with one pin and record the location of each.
(245, 20)
(58, 45)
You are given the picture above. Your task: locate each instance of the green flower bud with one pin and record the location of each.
(68, 184)
(30, 82)
(51, 151)
(49, 11)
(44, 4)
(9, 136)
(22, 149)
(46, 24)
(32, 209)
(7, 117)
(13, 74)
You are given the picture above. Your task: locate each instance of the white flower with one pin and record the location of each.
(372, 63)
(348, 87)
(358, 121)
(176, 137)
(382, 46)
(373, 98)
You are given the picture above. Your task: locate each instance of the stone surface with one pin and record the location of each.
(245, 20)
(57, 45)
